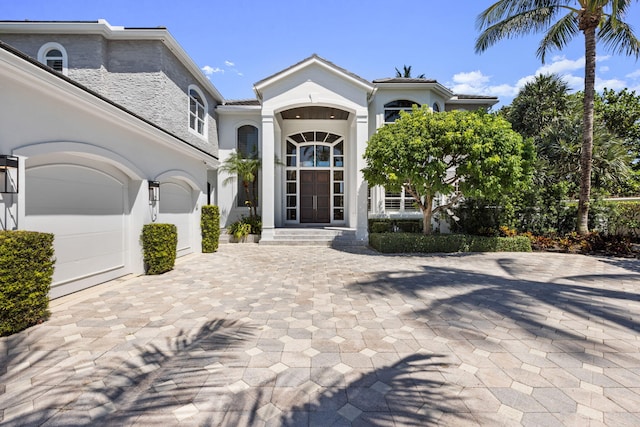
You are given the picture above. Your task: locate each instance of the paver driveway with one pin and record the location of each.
(294, 336)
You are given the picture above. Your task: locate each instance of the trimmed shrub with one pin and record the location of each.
(26, 271)
(388, 225)
(159, 246)
(210, 226)
(446, 243)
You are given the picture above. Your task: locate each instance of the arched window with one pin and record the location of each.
(54, 55)
(436, 107)
(247, 146)
(392, 109)
(197, 111)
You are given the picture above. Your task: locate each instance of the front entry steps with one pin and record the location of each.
(314, 236)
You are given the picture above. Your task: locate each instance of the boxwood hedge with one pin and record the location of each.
(210, 226)
(26, 271)
(159, 246)
(446, 243)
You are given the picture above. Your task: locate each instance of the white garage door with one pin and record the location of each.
(85, 209)
(176, 207)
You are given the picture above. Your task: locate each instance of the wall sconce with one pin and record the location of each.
(154, 191)
(9, 174)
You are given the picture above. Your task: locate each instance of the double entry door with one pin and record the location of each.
(315, 196)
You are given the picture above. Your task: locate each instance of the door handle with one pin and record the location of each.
(315, 203)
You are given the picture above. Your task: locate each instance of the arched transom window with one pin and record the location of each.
(54, 55)
(392, 109)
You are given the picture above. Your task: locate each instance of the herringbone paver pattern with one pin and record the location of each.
(298, 336)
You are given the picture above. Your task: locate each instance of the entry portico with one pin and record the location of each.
(314, 128)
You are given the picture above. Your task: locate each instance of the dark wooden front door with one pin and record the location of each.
(315, 189)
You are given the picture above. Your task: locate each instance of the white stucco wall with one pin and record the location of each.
(53, 124)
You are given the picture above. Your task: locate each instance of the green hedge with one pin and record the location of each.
(447, 243)
(387, 225)
(159, 246)
(26, 271)
(210, 225)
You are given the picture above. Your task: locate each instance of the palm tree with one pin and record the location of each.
(598, 20)
(406, 72)
(246, 169)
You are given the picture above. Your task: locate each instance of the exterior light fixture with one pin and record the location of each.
(154, 191)
(9, 174)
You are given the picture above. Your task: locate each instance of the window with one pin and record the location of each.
(54, 55)
(436, 107)
(399, 202)
(392, 109)
(197, 111)
(247, 146)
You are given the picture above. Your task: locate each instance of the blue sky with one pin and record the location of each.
(239, 42)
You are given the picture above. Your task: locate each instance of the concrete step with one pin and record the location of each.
(303, 236)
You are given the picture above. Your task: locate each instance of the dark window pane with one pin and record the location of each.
(332, 137)
(291, 175)
(323, 154)
(291, 160)
(401, 103)
(320, 136)
(297, 137)
(338, 161)
(338, 148)
(391, 116)
(309, 136)
(291, 148)
(306, 156)
(338, 201)
(291, 201)
(248, 141)
(291, 214)
(338, 187)
(291, 187)
(338, 214)
(338, 176)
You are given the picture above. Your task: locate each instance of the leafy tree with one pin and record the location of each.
(246, 170)
(620, 112)
(538, 104)
(597, 20)
(455, 153)
(406, 72)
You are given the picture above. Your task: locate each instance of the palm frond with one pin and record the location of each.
(525, 22)
(618, 37)
(559, 35)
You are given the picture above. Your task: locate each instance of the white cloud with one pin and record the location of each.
(473, 78)
(634, 75)
(229, 64)
(560, 65)
(614, 84)
(209, 70)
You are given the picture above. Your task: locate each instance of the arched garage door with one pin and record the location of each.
(176, 207)
(85, 209)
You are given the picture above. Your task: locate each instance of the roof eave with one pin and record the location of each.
(102, 27)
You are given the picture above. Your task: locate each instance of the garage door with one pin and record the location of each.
(176, 207)
(85, 209)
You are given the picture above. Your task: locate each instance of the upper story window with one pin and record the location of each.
(248, 141)
(54, 55)
(247, 146)
(197, 111)
(392, 109)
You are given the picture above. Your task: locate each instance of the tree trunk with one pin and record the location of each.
(427, 210)
(588, 26)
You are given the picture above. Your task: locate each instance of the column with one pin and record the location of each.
(362, 136)
(268, 178)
